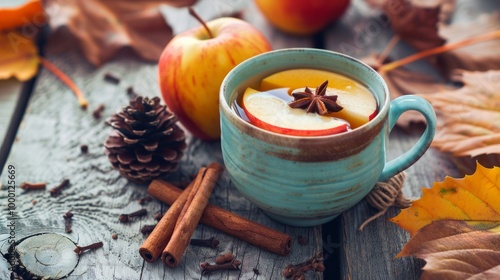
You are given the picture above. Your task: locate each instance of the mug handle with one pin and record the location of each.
(397, 107)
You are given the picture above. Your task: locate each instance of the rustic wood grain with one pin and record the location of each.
(48, 149)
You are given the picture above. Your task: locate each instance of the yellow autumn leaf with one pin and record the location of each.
(18, 56)
(475, 197)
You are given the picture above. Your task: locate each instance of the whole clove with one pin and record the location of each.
(58, 190)
(302, 240)
(211, 242)
(112, 78)
(145, 200)
(125, 218)
(33, 186)
(84, 148)
(97, 113)
(80, 249)
(147, 229)
(296, 271)
(222, 259)
(131, 92)
(158, 216)
(67, 221)
(207, 268)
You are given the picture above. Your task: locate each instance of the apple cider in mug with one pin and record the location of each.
(306, 102)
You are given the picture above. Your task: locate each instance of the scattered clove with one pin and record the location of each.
(302, 240)
(125, 218)
(256, 271)
(296, 271)
(147, 229)
(211, 242)
(58, 190)
(131, 92)
(222, 259)
(207, 268)
(158, 216)
(84, 148)
(114, 236)
(67, 219)
(112, 78)
(97, 113)
(145, 200)
(33, 186)
(79, 249)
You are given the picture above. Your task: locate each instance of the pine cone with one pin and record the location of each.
(146, 143)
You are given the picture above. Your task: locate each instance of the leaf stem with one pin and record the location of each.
(390, 46)
(448, 47)
(65, 79)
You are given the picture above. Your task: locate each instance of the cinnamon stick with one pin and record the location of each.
(191, 214)
(230, 223)
(158, 239)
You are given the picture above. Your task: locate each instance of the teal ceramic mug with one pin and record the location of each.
(306, 181)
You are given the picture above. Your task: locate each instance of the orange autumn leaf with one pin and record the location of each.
(472, 198)
(31, 11)
(18, 56)
(457, 250)
(469, 117)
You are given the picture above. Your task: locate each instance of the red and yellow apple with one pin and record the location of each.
(302, 17)
(193, 65)
(269, 112)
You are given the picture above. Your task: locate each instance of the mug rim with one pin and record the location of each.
(376, 121)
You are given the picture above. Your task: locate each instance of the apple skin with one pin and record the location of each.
(301, 17)
(278, 106)
(193, 65)
(294, 132)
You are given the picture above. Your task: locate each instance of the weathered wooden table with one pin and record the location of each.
(47, 148)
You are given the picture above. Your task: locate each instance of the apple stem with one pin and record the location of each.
(196, 16)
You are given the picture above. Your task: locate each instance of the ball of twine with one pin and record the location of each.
(387, 194)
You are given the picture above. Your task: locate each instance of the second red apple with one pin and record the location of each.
(302, 17)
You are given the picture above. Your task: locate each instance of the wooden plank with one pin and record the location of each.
(48, 149)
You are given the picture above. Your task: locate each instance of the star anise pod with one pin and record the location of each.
(317, 101)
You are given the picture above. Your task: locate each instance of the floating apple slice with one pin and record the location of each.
(270, 112)
(359, 103)
(357, 109)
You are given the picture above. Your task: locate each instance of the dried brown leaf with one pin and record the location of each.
(457, 250)
(478, 57)
(447, 6)
(416, 25)
(469, 117)
(101, 28)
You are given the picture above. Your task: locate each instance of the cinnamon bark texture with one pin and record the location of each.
(158, 239)
(256, 234)
(191, 214)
